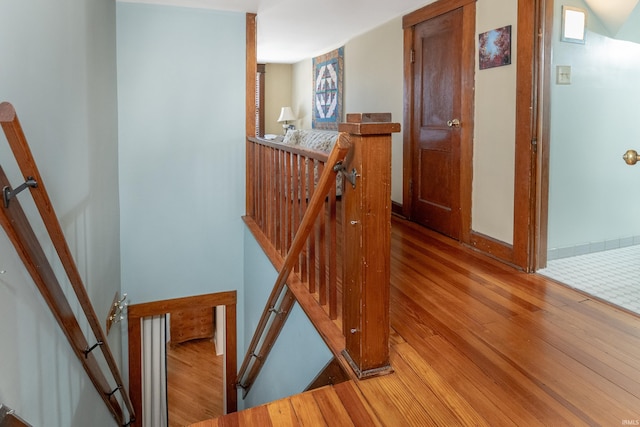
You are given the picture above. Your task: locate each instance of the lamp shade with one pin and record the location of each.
(286, 115)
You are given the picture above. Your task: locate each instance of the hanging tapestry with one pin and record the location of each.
(327, 90)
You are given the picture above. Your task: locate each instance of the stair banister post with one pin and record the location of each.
(367, 242)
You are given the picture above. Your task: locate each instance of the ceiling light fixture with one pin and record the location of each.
(574, 24)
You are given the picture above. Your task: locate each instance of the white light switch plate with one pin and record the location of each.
(563, 74)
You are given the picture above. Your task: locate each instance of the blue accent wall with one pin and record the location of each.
(299, 353)
(181, 112)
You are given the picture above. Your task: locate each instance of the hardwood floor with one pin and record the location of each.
(475, 342)
(194, 382)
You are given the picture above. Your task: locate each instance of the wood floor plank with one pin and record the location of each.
(394, 403)
(560, 375)
(589, 316)
(230, 420)
(307, 411)
(425, 396)
(194, 382)
(282, 413)
(509, 377)
(487, 396)
(577, 341)
(457, 404)
(450, 279)
(547, 408)
(359, 410)
(331, 407)
(214, 422)
(258, 416)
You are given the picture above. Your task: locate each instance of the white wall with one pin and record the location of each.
(495, 124)
(59, 71)
(373, 83)
(277, 95)
(301, 92)
(593, 122)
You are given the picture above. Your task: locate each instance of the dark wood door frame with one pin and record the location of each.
(467, 111)
(135, 314)
(528, 250)
(543, 10)
(535, 19)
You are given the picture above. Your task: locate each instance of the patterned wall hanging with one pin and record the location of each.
(328, 72)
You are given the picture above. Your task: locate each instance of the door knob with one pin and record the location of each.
(455, 123)
(631, 157)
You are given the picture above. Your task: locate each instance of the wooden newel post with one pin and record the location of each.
(367, 242)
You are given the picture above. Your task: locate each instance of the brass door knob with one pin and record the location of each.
(455, 123)
(631, 157)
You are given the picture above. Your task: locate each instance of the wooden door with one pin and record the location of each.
(437, 123)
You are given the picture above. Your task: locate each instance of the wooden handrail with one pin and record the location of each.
(20, 232)
(325, 185)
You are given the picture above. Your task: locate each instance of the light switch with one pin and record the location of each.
(563, 74)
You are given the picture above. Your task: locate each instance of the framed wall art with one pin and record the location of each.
(495, 48)
(328, 71)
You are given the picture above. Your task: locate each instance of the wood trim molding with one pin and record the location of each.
(432, 10)
(251, 70)
(135, 314)
(396, 209)
(250, 104)
(526, 162)
(490, 246)
(407, 165)
(156, 308)
(545, 17)
(468, 118)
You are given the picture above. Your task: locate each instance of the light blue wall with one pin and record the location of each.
(299, 352)
(593, 122)
(181, 109)
(181, 94)
(58, 68)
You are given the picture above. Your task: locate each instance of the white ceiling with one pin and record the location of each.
(292, 30)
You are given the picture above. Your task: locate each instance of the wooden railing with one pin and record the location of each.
(287, 178)
(335, 244)
(19, 230)
(279, 171)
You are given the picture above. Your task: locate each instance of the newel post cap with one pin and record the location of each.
(369, 124)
